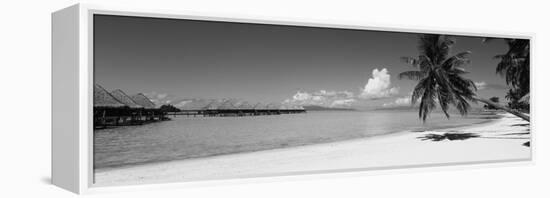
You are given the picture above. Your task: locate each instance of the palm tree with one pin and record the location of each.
(440, 78)
(514, 64)
(516, 101)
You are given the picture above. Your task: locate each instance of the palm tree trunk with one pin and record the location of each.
(498, 106)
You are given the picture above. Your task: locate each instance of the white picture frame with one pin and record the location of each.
(72, 95)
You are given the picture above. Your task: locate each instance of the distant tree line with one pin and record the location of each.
(491, 107)
(169, 108)
(514, 101)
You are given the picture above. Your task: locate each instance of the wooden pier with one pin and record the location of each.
(115, 108)
(118, 109)
(234, 112)
(108, 117)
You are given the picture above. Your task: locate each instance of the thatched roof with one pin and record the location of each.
(259, 106)
(227, 104)
(245, 105)
(273, 106)
(102, 98)
(213, 105)
(192, 104)
(286, 106)
(291, 106)
(142, 100)
(125, 99)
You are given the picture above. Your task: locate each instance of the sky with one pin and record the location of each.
(172, 59)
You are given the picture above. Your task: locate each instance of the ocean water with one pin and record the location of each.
(193, 137)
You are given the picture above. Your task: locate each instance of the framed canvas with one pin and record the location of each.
(173, 98)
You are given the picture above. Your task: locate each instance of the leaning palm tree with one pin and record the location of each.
(440, 78)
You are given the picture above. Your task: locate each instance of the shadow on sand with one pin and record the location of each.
(464, 136)
(521, 124)
(448, 136)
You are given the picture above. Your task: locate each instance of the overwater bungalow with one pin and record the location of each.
(134, 115)
(192, 107)
(273, 109)
(106, 107)
(245, 108)
(211, 109)
(227, 108)
(117, 108)
(149, 108)
(232, 107)
(261, 109)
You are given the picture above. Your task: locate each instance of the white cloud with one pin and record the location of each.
(379, 86)
(402, 101)
(481, 85)
(160, 98)
(322, 98)
(343, 103)
(326, 93)
(301, 96)
(318, 98)
(182, 103)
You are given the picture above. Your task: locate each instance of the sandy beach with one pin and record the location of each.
(498, 140)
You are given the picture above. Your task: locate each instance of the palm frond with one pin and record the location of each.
(419, 89)
(427, 103)
(411, 75)
(462, 105)
(444, 97)
(514, 64)
(458, 60)
(439, 76)
(410, 60)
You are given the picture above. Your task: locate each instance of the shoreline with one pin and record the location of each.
(497, 139)
(488, 120)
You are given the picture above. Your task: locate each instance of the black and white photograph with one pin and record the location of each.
(188, 100)
(275, 98)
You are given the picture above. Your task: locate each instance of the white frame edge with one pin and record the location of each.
(65, 102)
(74, 170)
